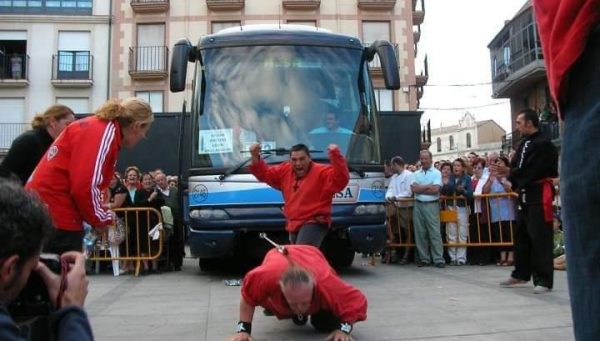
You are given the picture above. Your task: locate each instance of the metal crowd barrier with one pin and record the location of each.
(481, 231)
(137, 245)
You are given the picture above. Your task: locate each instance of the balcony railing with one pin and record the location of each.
(301, 4)
(9, 132)
(418, 14)
(225, 5)
(148, 62)
(72, 69)
(376, 4)
(14, 70)
(376, 63)
(149, 6)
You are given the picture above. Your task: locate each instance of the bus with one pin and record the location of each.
(278, 85)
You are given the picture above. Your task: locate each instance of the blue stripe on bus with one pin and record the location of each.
(262, 196)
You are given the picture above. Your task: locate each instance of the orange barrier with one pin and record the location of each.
(136, 244)
(481, 231)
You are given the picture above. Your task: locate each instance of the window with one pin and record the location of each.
(13, 55)
(79, 105)
(154, 98)
(468, 140)
(216, 26)
(63, 7)
(451, 142)
(73, 55)
(384, 99)
(12, 120)
(438, 142)
(375, 30)
(151, 49)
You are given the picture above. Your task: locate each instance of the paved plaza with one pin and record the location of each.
(405, 303)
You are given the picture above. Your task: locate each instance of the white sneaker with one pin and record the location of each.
(538, 289)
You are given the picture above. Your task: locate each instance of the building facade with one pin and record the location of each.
(449, 143)
(519, 74)
(145, 31)
(51, 52)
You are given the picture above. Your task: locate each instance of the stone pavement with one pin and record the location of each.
(405, 303)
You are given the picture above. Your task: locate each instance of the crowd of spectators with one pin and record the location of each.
(478, 219)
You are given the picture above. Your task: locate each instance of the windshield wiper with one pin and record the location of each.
(239, 166)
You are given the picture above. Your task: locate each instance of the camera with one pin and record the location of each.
(33, 306)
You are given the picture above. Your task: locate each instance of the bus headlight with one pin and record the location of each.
(209, 214)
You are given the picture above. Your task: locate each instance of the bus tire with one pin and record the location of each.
(209, 264)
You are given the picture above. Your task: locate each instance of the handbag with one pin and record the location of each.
(448, 216)
(116, 234)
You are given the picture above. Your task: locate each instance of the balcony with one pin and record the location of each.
(301, 4)
(225, 5)
(377, 5)
(9, 132)
(72, 69)
(149, 6)
(421, 80)
(418, 14)
(14, 70)
(148, 62)
(517, 59)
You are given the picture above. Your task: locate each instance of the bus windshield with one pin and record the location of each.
(280, 96)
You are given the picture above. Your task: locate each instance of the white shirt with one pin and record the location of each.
(399, 186)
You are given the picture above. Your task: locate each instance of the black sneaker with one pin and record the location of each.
(440, 265)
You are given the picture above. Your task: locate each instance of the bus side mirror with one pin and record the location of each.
(181, 55)
(389, 63)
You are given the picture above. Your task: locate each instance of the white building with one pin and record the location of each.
(51, 52)
(449, 143)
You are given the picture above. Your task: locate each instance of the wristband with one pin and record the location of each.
(244, 327)
(346, 328)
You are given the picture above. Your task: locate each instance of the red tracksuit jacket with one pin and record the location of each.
(77, 168)
(564, 27)
(307, 199)
(261, 285)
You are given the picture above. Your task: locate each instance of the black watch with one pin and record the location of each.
(346, 327)
(244, 327)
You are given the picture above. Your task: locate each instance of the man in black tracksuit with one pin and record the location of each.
(532, 168)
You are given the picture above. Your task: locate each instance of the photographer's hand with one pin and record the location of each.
(76, 282)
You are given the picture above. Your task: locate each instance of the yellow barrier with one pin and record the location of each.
(481, 231)
(136, 245)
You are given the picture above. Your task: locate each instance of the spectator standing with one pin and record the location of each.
(27, 149)
(398, 196)
(16, 66)
(531, 173)
(147, 197)
(171, 199)
(79, 166)
(479, 228)
(25, 226)
(426, 212)
(570, 36)
(307, 187)
(459, 185)
(502, 213)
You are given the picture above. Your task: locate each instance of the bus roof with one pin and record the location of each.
(273, 34)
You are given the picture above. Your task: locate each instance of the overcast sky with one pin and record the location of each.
(455, 35)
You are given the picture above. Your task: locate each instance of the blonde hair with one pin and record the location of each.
(56, 111)
(126, 111)
(295, 275)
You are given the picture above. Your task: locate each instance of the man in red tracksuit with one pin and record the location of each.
(72, 175)
(307, 187)
(296, 285)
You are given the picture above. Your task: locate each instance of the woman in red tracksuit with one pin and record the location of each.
(79, 165)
